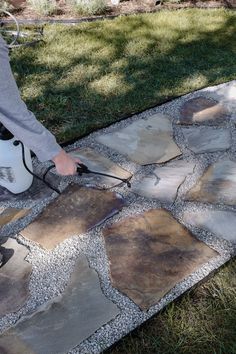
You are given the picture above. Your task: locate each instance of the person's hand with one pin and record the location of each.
(65, 164)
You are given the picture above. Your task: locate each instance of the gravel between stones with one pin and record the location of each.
(52, 269)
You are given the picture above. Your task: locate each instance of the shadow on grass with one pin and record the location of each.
(88, 76)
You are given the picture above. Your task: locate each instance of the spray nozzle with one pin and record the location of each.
(81, 168)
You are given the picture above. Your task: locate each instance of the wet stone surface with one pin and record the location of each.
(145, 141)
(14, 276)
(218, 222)
(66, 321)
(207, 139)
(11, 215)
(97, 162)
(217, 185)
(202, 110)
(150, 253)
(163, 182)
(75, 211)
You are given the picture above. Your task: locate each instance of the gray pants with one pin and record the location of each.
(15, 116)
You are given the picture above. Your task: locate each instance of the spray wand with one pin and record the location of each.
(80, 170)
(84, 169)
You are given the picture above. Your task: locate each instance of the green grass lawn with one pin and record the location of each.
(88, 76)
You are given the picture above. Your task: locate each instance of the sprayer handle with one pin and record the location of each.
(82, 169)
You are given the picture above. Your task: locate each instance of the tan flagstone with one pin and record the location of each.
(66, 321)
(217, 185)
(10, 344)
(202, 110)
(96, 162)
(75, 211)
(144, 141)
(14, 277)
(150, 253)
(12, 214)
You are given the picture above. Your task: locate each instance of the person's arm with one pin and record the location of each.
(22, 123)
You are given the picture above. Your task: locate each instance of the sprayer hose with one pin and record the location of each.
(17, 142)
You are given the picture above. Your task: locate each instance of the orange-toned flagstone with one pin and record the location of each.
(76, 211)
(150, 253)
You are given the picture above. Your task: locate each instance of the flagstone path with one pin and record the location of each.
(80, 270)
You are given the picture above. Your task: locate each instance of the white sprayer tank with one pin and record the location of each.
(13, 174)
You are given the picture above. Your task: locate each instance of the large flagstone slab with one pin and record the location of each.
(66, 321)
(14, 277)
(217, 185)
(163, 182)
(144, 141)
(12, 214)
(202, 110)
(75, 211)
(150, 253)
(221, 223)
(97, 162)
(207, 139)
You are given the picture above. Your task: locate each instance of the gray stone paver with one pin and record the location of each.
(52, 270)
(163, 182)
(67, 320)
(221, 223)
(207, 139)
(14, 277)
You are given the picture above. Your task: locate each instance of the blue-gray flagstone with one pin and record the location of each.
(14, 276)
(163, 182)
(207, 139)
(66, 321)
(221, 223)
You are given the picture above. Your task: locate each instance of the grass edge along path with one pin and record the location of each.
(88, 76)
(203, 320)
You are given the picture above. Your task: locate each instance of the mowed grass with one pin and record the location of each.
(88, 76)
(203, 321)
